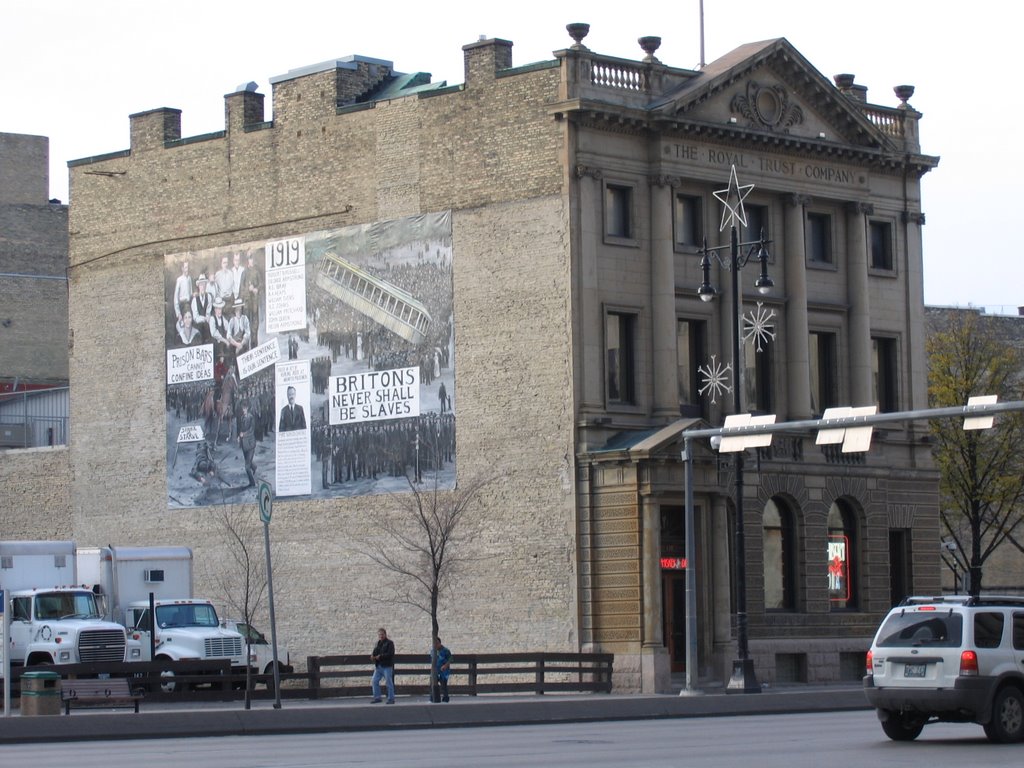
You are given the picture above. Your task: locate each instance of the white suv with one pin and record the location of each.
(953, 659)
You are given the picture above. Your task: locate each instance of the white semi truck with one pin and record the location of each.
(54, 618)
(186, 627)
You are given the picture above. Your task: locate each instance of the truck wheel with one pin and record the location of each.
(1007, 723)
(902, 727)
(167, 682)
(268, 677)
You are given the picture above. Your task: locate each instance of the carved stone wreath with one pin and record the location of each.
(767, 105)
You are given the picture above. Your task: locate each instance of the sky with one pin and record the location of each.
(74, 70)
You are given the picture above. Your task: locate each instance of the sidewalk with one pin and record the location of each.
(304, 716)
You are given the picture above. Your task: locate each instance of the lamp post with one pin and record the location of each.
(743, 679)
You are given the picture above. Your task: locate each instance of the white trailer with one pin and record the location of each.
(186, 627)
(54, 618)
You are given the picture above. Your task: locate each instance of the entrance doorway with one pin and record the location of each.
(900, 577)
(673, 587)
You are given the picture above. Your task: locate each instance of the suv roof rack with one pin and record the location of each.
(965, 600)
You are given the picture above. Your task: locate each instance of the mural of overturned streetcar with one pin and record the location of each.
(379, 341)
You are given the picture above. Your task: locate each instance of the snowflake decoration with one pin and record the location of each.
(715, 378)
(758, 326)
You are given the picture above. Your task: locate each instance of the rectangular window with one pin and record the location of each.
(619, 211)
(689, 221)
(21, 609)
(690, 341)
(757, 221)
(884, 369)
(824, 377)
(620, 349)
(1018, 631)
(758, 354)
(819, 238)
(881, 245)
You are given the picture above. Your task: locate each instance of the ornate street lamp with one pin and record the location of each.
(743, 679)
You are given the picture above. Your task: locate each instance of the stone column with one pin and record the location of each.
(591, 321)
(798, 371)
(860, 304)
(916, 334)
(721, 585)
(655, 669)
(663, 301)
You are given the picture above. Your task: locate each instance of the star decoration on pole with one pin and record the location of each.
(732, 199)
(715, 378)
(757, 325)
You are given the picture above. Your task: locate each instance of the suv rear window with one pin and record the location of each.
(906, 630)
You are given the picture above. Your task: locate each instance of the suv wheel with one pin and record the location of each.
(1007, 724)
(902, 727)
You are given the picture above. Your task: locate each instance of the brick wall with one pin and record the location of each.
(35, 494)
(489, 153)
(33, 254)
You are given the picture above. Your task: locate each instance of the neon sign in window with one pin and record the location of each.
(673, 563)
(838, 568)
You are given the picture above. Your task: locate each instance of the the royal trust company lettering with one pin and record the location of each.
(773, 166)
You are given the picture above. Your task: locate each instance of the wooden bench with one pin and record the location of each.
(113, 692)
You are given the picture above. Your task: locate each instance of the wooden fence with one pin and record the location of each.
(471, 674)
(349, 675)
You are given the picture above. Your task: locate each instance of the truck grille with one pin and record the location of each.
(223, 647)
(101, 645)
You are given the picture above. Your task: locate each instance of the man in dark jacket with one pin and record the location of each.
(383, 666)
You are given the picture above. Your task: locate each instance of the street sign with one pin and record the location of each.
(980, 422)
(265, 497)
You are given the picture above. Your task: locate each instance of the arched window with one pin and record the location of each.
(779, 557)
(842, 552)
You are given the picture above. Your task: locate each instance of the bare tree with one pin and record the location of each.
(982, 472)
(421, 542)
(242, 578)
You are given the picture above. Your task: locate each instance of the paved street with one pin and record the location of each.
(767, 741)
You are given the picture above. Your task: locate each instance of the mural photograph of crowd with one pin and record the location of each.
(221, 417)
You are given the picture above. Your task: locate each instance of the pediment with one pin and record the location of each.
(771, 89)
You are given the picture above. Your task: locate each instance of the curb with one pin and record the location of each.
(300, 716)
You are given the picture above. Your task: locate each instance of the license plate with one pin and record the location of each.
(914, 670)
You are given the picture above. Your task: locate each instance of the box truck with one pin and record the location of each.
(54, 617)
(186, 627)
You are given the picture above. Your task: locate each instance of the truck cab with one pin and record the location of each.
(62, 625)
(186, 629)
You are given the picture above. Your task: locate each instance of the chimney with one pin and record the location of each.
(242, 108)
(154, 128)
(484, 58)
(24, 168)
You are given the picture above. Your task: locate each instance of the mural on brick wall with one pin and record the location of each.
(321, 363)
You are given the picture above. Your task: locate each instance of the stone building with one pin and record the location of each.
(33, 259)
(34, 492)
(577, 194)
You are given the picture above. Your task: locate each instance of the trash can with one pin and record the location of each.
(40, 694)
